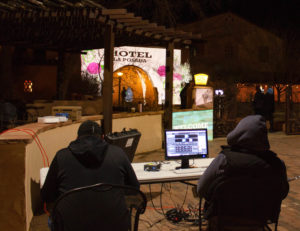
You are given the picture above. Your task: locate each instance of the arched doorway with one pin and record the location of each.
(139, 82)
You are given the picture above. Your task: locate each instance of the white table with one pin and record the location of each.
(167, 171)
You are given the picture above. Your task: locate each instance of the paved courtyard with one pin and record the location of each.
(167, 196)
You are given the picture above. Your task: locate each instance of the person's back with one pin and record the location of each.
(258, 102)
(247, 155)
(86, 161)
(269, 107)
(269, 100)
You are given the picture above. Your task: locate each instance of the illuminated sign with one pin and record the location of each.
(201, 79)
(194, 119)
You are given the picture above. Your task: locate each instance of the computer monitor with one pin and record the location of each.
(185, 144)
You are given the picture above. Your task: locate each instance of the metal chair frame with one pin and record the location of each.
(106, 187)
(217, 212)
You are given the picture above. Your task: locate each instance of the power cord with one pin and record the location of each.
(176, 215)
(152, 202)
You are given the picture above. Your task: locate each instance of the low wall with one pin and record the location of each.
(21, 160)
(149, 124)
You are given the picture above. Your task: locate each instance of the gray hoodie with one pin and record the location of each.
(248, 151)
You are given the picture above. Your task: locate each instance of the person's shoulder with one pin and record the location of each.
(114, 149)
(62, 153)
(116, 154)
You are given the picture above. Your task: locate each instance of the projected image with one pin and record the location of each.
(203, 98)
(150, 61)
(193, 120)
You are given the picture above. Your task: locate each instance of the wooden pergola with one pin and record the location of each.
(73, 26)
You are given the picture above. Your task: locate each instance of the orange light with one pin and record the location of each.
(28, 86)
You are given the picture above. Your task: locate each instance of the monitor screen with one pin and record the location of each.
(186, 144)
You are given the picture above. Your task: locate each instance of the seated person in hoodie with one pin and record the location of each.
(86, 161)
(248, 152)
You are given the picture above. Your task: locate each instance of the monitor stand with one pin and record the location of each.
(184, 163)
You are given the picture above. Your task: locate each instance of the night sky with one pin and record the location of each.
(270, 14)
(274, 15)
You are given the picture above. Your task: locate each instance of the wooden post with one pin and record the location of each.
(60, 75)
(288, 109)
(6, 73)
(169, 86)
(108, 79)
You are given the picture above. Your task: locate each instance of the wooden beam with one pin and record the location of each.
(66, 3)
(137, 23)
(60, 75)
(109, 41)
(176, 40)
(92, 3)
(150, 25)
(7, 6)
(138, 32)
(122, 16)
(188, 42)
(169, 86)
(113, 11)
(128, 20)
(156, 29)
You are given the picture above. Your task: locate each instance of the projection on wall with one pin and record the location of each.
(143, 69)
(194, 119)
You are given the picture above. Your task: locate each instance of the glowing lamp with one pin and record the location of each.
(201, 79)
(120, 74)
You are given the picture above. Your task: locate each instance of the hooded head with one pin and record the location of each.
(89, 147)
(89, 128)
(251, 133)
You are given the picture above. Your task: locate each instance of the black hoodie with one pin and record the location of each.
(87, 160)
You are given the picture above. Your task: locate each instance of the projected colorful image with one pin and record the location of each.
(142, 69)
(194, 119)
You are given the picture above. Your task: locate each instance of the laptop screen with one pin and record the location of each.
(186, 143)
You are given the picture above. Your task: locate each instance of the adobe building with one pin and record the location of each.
(238, 55)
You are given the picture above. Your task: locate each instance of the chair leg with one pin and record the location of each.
(200, 214)
(136, 222)
(276, 225)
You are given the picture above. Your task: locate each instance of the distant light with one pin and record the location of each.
(201, 79)
(219, 92)
(120, 74)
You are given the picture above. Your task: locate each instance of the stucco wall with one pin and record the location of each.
(21, 161)
(52, 141)
(150, 126)
(12, 193)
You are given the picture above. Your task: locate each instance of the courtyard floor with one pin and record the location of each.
(171, 195)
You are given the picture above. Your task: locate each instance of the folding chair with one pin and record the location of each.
(243, 204)
(98, 207)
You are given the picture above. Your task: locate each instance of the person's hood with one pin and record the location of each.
(88, 149)
(251, 133)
